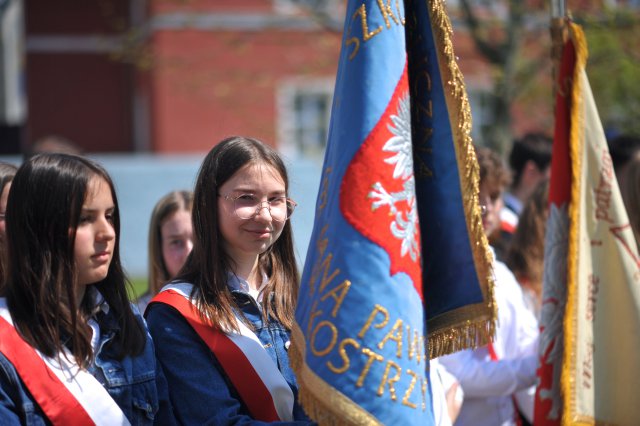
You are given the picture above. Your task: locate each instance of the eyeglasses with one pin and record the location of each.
(246, 206)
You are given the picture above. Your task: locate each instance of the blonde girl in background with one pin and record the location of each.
(170, 241)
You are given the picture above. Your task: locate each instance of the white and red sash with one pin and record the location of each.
(252, 371)
(66, 394)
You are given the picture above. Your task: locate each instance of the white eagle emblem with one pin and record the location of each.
(405, 224)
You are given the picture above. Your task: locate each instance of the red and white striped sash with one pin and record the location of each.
(66, 394)
(252, 371)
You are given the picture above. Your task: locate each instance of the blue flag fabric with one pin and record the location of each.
(397, 243)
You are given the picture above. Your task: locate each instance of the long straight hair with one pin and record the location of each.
(43, 213)
(165, 207)
(7, 172)
(208, 264)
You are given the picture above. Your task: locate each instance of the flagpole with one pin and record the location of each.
(558, 37)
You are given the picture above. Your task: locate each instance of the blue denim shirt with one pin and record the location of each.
(136, 384)
(200, 390)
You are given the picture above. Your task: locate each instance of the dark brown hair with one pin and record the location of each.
(208, 264)
(43, 213)
(525, 256)
(535, 147)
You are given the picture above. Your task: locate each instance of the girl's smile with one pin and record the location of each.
(245, 239)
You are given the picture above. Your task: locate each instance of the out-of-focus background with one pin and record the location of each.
(147, 87)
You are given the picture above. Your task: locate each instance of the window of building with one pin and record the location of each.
(304, 109)
(480, 111)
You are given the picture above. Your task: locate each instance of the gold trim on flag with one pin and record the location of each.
(321, 401)
(569, 368)
(474, 325)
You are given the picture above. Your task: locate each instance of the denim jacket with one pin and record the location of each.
(136, 384)
(200, 390)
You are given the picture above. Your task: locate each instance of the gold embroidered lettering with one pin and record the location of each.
(346, 363)
(426, 110)
(390, 381)
(422, 170)
(366, 35)
(394, 334)
(324, 195)
(314, 314)
(326, 264)
(402, 20)
(321, 245)
(332, 342)
(423, 387)
(339, 298)
(353, 40)
(365, 371)
(424, 139)
(387, 13)
(407, 394)
(376, 310)
(413, 347)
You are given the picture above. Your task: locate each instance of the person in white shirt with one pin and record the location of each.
(447, 395)
(498, 377)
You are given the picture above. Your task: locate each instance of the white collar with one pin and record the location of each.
(237, 283)
(99, 304)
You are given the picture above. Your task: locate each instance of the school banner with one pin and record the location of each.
(590, 325)
(397, 247)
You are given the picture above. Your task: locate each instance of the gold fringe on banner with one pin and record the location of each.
(576, 138)
(456, 337)
(322, 402)
(475, 325)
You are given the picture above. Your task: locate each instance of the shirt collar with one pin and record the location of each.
(98, 301)
(236, 283)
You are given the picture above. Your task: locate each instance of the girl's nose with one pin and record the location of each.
(106, 231)
(264, 212)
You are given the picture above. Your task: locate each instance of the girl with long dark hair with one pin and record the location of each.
(72, 351)
(222, 326)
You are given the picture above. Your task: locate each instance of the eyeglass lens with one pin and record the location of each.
(247, 207)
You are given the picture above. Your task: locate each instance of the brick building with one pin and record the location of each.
(172, 76)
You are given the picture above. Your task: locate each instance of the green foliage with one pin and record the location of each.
(614, 68)
(139, 287)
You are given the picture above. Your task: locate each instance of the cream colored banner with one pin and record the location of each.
(602, 358)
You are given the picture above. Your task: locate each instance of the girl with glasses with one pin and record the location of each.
(222, 326)
(72, 350)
